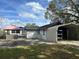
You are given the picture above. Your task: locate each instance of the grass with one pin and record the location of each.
(41, 51)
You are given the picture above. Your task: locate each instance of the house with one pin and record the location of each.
(41, 33)
(13, 30)
(31, 32)
(55, 32)
(50, 32)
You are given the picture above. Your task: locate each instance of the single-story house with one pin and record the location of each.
(49, 32)
(13, 30)
(55, 32)
(31, 33)
(38, 32)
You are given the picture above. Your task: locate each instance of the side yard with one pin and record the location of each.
(40, 51)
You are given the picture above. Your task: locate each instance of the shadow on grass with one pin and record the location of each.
(41, 51)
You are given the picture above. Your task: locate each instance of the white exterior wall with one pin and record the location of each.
(43, 35)
(10, 32)
(32, 34)
(52, 34)
(35, 34)
(20, 32)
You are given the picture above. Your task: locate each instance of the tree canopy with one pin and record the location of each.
(31, 25)
(66, 10)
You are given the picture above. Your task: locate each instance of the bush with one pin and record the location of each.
(2, 34)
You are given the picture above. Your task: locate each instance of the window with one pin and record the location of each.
(13, 31)
(17, 31)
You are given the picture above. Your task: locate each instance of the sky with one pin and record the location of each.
(21, 12)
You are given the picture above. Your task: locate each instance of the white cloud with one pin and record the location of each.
(7, 21)
(49, 0)
(36, 12)
(28, 15)
(35, 6)
(31, 15)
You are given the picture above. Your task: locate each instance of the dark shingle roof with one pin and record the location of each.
(49, 25)
(32, 28)
(42, 27)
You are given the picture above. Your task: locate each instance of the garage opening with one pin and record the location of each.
(62, 33)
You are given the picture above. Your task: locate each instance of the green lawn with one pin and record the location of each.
(42, 51)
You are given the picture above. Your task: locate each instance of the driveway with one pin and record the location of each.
(76, 43)
(31, 42)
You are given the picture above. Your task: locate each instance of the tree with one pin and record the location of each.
(66, 10)
(31, 25)
(2, 34)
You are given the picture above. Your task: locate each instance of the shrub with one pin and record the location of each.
(2, 34)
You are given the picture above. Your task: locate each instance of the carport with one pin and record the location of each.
(68, 32)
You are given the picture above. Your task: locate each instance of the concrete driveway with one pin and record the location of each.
(31, 42)
(76, 43)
